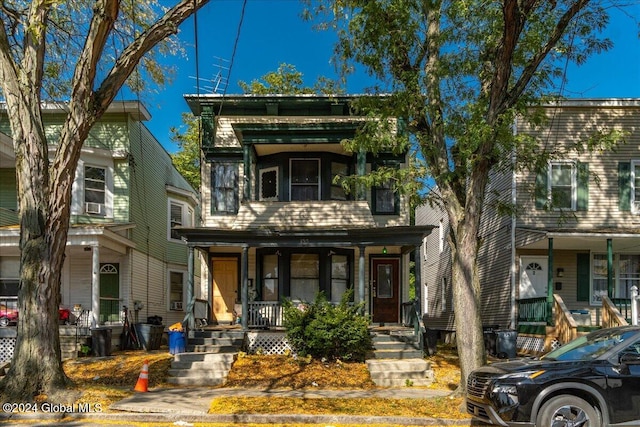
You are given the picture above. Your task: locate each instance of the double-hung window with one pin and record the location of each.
(562, 185)
(635, 186)
(176, 290)
(224, 188)
(95, 190)
(305, 179)
(180, 215)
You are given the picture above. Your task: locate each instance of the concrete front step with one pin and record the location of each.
(205, 357)
(194, 381)
(212, 348)
(400, 373)
(230, 341)
(396, 354)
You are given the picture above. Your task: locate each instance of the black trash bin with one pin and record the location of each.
(489, 337)
(101, 341)
(431, 341)
(149, 336)
(506, 342)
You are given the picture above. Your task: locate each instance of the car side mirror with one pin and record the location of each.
(630, 358)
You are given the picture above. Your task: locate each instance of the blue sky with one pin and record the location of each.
(273, 32)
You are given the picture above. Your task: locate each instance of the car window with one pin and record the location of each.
(591, 346)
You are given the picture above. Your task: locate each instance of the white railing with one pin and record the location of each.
(264, 314)
(634, 305)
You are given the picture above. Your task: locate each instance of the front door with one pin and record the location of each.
(225, 286)
(109, 293)
(385, 288)
(533, 277)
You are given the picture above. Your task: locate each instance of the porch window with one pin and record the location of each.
(305, 276)
(224, 187)
(305, 179)
(94, 190)
(339, 277)
(599, 283)
(629, 275)
(176, 290)
(562, 185)
(270, 277)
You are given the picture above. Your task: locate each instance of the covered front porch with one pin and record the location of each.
(247, 274)
(573, 282)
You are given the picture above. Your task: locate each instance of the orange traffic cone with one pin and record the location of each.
(143, 380)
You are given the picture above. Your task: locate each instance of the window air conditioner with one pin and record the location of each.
(93, 208)
(176, 305)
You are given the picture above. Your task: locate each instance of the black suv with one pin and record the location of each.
(593, 380)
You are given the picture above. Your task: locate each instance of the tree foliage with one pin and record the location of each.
(458, 73)
(81, 53)
(287, 80)
(187, 158)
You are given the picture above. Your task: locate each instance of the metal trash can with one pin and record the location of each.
(506, 343)
(101, 341)
(149, 336)
(176, 342)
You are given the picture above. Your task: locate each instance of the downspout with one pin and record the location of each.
(513, 269)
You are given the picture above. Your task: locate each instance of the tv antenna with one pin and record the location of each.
(218, 83)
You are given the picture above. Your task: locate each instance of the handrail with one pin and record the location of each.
(566, 327)
(411, 317)
(611, 316)
(533, 310)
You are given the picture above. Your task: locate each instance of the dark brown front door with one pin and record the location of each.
(385, 290)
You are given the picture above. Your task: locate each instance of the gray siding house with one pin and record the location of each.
(122, 249)
(557, 269)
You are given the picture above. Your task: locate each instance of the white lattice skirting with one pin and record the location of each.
(530, 344)
(267, 343)
(7, 345)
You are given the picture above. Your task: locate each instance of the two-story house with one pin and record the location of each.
(278, 225)
(121, 249)
(567, 261)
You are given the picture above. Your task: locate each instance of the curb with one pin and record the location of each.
(240, 418)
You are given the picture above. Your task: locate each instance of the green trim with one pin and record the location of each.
(533, 329)
(583, 274)
(541, 190)
(582, 202)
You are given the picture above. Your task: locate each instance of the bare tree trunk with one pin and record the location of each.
(36, 366)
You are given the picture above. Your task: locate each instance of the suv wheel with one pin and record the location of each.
(568, 410)
(4, 322)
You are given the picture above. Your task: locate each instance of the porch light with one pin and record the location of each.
(384, 250)
(561, 272)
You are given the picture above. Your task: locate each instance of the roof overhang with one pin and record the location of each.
(593, 240)
(403, 236)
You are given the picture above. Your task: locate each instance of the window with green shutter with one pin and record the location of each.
(624, 186)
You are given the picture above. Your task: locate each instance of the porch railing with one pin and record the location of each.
(624, 307)
(264, 314)
(566, 327)
(611, 315)
(533, 310)
(411, 317)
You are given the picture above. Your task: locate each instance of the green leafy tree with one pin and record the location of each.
(459, 72)
(187, 158)
(80, 53)
(287, 80)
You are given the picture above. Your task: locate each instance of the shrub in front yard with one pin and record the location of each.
(324, 330)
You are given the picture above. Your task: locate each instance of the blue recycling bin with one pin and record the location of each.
(176, 342)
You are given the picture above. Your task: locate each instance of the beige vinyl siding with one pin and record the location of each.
(495, 253)
(568, 126)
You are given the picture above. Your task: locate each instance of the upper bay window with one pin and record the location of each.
(305, 179)
(224, 188)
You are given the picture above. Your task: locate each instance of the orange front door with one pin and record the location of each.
(385, 289)
(225, 287)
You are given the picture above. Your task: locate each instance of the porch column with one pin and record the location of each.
(417, 273)
(361, 273)
(610, 268)
(244, 273)
(188, 317)
(550, 284)
(95, 285)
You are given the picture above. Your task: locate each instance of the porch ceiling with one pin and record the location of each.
(406, 236)
(592, 240)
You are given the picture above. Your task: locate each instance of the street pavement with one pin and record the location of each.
(183, 406)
